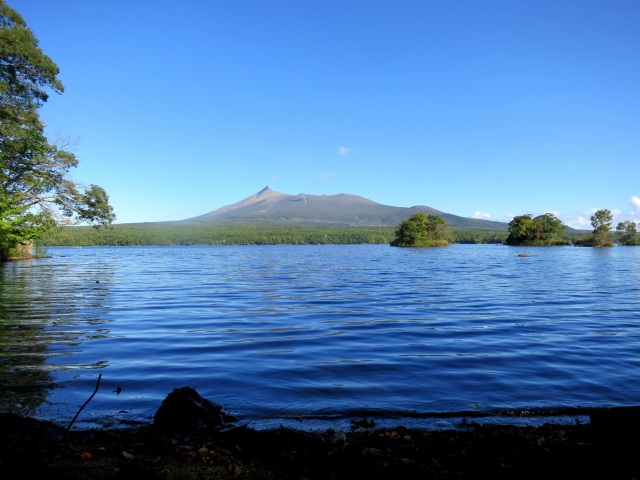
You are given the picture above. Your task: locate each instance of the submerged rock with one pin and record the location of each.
(184, 409)
(362, 423)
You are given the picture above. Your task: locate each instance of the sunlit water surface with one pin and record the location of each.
(301, 335)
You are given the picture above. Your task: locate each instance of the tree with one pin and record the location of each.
(422, 230)
(627, 233)
(37, 193)
(601, 222)
(544, 229)
(520, 228)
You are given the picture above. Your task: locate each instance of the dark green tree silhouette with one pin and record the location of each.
(627, 233)
(601, 222)
(542, 230)
(422, 230)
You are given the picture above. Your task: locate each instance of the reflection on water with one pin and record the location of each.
(277, 333)
(45, 318)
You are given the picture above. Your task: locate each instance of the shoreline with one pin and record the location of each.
(606, 447)
(428, 421)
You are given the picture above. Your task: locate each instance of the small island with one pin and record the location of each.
(543, 230)
(601, 221)
(422, 230)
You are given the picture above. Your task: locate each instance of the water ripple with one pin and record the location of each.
(322, 331)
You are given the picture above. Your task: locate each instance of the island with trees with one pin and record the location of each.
(601, 222)
(422, 230)
(627, 233)
(543, 230)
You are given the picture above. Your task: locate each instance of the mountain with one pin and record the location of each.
(271, 207)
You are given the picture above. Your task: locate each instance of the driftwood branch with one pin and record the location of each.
(85, 403)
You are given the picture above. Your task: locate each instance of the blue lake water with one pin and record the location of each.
(300, 335)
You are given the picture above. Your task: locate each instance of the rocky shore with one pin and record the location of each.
(607, 447)
(31, 449)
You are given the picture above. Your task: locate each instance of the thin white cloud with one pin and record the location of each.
(592, 210)
(582, 221)
(579, 223)
(614, 211)
(635, 201)
(321, 177)
(343, 151)
(481, 215)
(274, 178)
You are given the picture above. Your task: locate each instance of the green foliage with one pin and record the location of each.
(600, 237)
(37, 193)
(422, 230)
(601, 222)
(479, 236)
(542, 230)
(627, 233)
(179, 233)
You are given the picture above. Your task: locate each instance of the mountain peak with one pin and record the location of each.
(271, 207)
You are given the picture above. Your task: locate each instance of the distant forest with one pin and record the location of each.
(176, 233)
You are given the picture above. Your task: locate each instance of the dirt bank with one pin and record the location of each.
(31, 449)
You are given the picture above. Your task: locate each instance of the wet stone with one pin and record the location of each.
(184, 409)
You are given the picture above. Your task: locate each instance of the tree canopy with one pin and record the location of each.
(37, 192)
(422, 230)
(627, 233)
(542, 230)
(601, 222)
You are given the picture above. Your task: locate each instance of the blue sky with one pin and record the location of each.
(476, 108)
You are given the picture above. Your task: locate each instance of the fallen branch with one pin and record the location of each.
(85, 403)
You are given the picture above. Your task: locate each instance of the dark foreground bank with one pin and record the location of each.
(31, 449)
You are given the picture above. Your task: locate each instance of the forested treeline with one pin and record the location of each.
(186, 234)
(171, 233)
(479, 236)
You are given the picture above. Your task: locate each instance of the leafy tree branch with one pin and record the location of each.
(37, 192)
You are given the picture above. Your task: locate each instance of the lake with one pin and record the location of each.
(317, 335)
